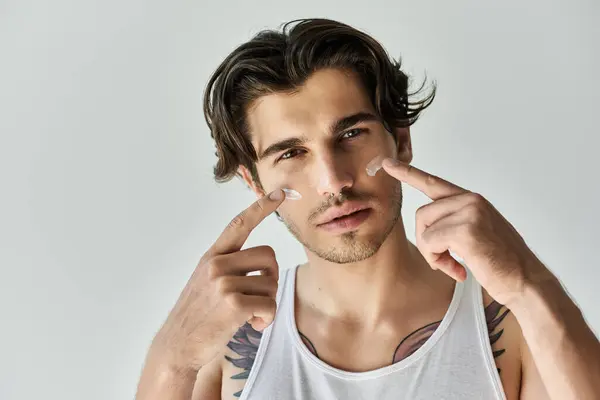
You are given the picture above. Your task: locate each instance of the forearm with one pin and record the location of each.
(158, 381)
(565, 350)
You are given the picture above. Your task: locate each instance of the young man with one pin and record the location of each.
(315, 109)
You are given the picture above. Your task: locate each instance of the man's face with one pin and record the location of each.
(318, 141)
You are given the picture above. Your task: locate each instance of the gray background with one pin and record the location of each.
(107, 198)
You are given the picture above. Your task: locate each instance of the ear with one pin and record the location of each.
(247, 177)
(403, 144)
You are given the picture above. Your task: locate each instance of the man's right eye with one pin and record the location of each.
(289, 154)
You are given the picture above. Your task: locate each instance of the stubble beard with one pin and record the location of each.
(350, 247)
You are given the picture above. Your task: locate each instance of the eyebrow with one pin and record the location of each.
(282, 145)
(336, 127)
(347, 122)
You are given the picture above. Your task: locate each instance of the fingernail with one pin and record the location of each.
(291, 194)
(276, 195)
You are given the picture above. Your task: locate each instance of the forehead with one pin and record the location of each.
(325, 97)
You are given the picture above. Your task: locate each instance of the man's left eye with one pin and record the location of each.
(352, 133)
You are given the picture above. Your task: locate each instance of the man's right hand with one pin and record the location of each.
(220, 297)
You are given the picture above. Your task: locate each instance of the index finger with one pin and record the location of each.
(432, 186)
(237, 231)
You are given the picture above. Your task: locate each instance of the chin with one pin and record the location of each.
(347, 247)
(348, 250)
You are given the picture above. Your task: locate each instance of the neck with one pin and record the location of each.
(394, 280)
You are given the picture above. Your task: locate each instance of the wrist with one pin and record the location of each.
(535, 279)
(166, 369)
(168, 357)
(163, 379)
(542, 295)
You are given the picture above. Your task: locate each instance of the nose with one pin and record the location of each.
(332, 176)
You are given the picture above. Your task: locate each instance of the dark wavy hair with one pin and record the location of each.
(281, 61)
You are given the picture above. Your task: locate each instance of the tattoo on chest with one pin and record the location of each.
(414, 341)
(246, 340)
(494, 314)
(308, 344)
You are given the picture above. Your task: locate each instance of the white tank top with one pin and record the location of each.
(455, 362)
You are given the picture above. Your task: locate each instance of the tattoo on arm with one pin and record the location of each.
(244, 343)
(493, 318)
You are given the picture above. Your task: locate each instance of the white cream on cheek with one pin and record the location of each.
(291, 194)
(374, 165)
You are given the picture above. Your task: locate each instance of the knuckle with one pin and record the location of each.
(431, 180)
(237, 221)
(234, 301)
(271, 306)
(268, 251)
(420, 213)
(271, 285)
(214, 267)
(425, 239)
(474, 213)
(223, 284)
(273, 292)
(259, 206)
(476, 198)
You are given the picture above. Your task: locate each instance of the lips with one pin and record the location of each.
(342, 211)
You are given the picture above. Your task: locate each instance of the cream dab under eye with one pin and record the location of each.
(291, 194)
(374, 165)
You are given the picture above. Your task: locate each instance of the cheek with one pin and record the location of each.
(295, 192)
(280, 180)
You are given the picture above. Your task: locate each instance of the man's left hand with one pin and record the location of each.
(467, 224)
